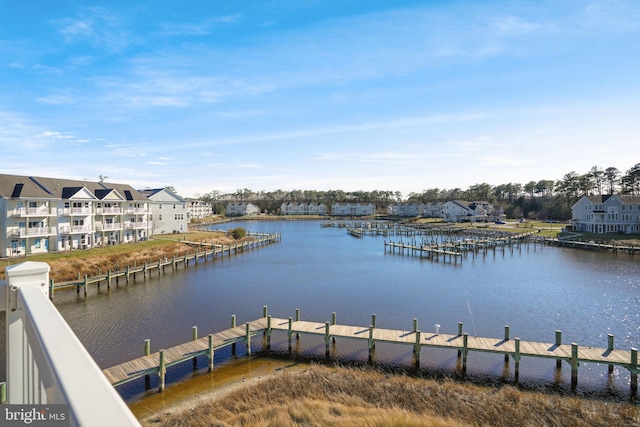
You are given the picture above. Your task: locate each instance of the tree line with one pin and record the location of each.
(543, 199)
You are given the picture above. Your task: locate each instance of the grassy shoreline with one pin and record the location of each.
(339, 396)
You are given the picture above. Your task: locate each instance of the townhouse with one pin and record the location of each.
(426, 210)
(353, 209)
(464, 211)
(198, 209)
(41, 214)
(606, 214)
(169, 212)
(301, 208)
(241, 209)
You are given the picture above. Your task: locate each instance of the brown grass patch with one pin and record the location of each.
(322, 396)
(72, 265)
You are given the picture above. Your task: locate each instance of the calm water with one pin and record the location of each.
(535, 290)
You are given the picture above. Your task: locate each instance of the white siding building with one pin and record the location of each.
(198, 209)
(169, 211)
(607, 214)
(40, 214)
(353, 209)
(463, 211)
(241, 209)
(300, 208)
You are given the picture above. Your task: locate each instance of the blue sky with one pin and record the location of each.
(352, 95)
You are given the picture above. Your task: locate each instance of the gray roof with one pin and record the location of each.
(35, 187)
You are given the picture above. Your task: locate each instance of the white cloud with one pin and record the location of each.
(97, 27)
(56, 100)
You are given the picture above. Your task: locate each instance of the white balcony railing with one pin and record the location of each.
(31, 231)
(38, 211)
(112, 226)
(81, 228)
(108, 210)
(46, 363)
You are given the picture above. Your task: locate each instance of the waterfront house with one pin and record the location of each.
(41, 214)
(242, 209)
(302, 208)
(353, 209)
(169, 212)
(477, 211)
(425, 210)
(198, 209)
(406, 209)
(606, 214)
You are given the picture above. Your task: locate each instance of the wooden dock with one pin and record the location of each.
(595, 246)
(207, 251)
(454, 249)
(514, 348)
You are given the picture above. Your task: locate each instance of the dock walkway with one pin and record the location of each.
(515, 348)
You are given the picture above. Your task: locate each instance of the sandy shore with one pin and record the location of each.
(206, 386)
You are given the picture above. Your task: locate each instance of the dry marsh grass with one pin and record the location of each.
(67, 265)
(324, 396)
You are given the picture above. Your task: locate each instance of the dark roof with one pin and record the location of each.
(16, 186)
(69, 192)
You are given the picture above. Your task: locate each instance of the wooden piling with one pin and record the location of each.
(634, 371)
(371, 343)
(269, 333)
(147, 352)
(194, 337)
(516, 357)
(327, 338)
(574, 365)
(610, 348)
(233, 325)
(248, 338)
(210, 352)
(162, 371)
(558, 344)
(506, 338)
(290, 332)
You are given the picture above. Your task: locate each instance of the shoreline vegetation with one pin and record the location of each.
(319, 395)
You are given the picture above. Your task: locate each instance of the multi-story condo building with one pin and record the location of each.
(301, 208)
(39, 214)
(169, 212)
(353, 209)
(241, 209)
(198, 209)
(607, 214)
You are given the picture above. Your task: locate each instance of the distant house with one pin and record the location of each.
(425, 210)
(168, 210)
(301, 208)
(464, 211)
(433, 210)
(198, 209)
(353, 209)
(242, 209)
(406, 209)
(606, 214)
(41, 214)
